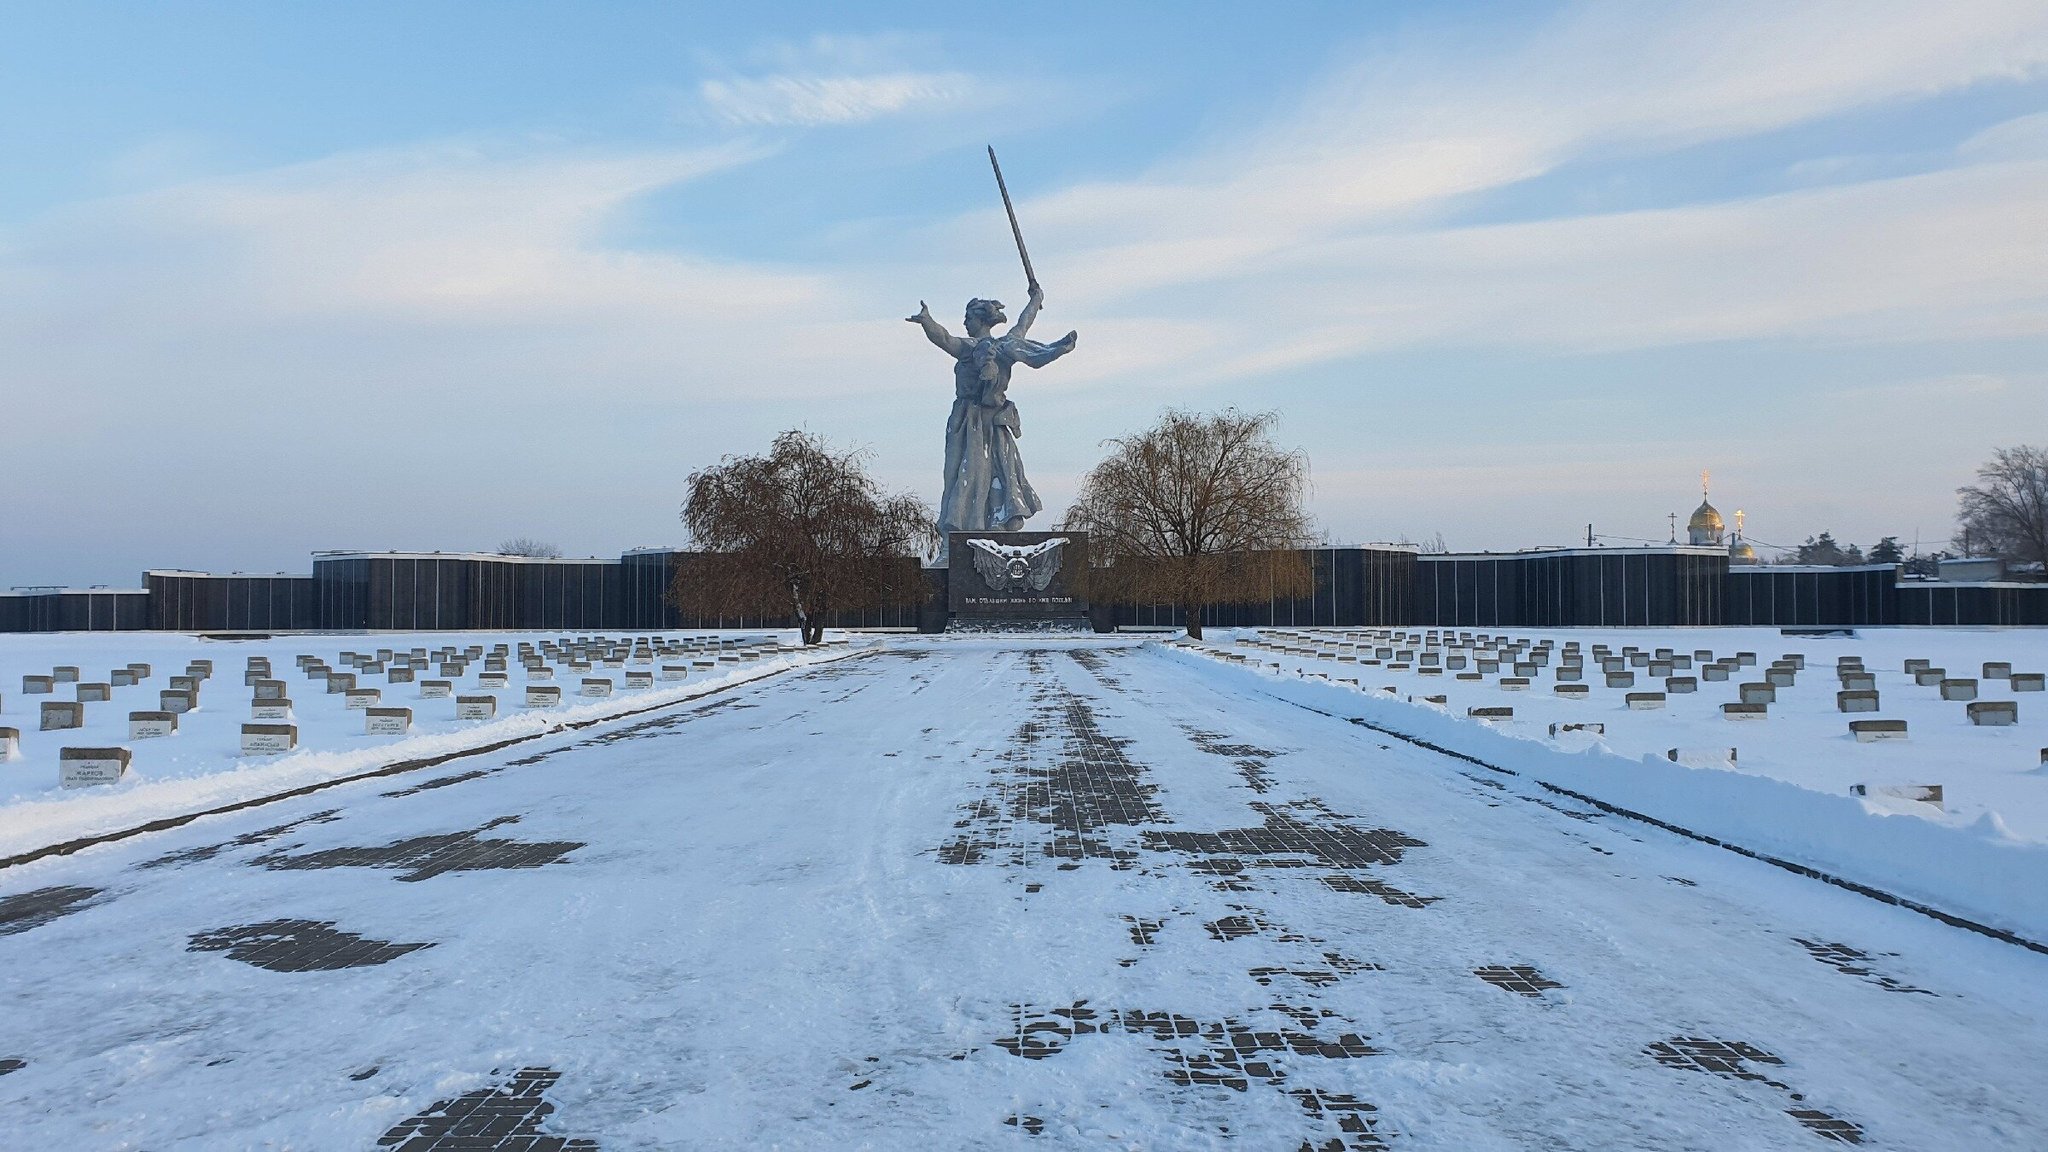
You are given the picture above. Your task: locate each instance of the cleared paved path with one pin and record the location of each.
(976, 894)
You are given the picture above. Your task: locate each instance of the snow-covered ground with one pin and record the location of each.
(203, 766)
(1985, 772)
(987, 894)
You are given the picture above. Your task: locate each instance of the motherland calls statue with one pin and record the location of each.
(986, 489)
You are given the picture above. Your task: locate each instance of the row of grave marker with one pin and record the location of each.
(1487, 653)
(272, 732)
(1858, 685)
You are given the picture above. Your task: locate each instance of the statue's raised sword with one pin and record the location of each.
(1030, 277)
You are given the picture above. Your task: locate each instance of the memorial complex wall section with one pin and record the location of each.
(1365, 586)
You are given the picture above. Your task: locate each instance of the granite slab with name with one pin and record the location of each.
(86, 767)
(269, 739)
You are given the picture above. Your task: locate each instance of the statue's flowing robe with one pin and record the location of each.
(985, 482)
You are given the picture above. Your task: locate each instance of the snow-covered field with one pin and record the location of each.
(976, 893)
(203, 766)
(1993, 774)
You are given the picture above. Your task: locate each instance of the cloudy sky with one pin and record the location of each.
(419, 275)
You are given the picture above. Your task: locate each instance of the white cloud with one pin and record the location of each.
(805, 101)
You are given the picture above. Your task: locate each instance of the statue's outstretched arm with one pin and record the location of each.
(1029, 314)
(936, 332)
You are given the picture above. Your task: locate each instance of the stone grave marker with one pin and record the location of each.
(150, 725)
(1955, 688)
(1621, 679)
(1644, 701)
(339, 682)
(1997, 670)
(269, 739)
(38, 685)
(10, 743)
(1660, 669)
(1856, 700)
(1745, 659)
(356, 699)
(1681, 685)
(476, 707)
(387, 721)
(95, 693)
(269, 689)
(1579, 691)
(86, 767)
(1868, 731)
(2028, 681)
(1780, 677)
(1859, 681)
(639, 679)
(490, 679)
(1922, 793)
(59, 715)
(596, 686)
(1913, 666)
(1755, 693)
(540, 672)
(1491, 714)
(141, 671)
(279, 709)
(169, 701)
(65, 674)
(1930, 677)
(1744, 711)
(1987, 713)
(1514, 683)
(121, 678)
(200, 668)
(1793, 660)
(436, 689)
(543, 695)
(1594, 728)
(399, 675)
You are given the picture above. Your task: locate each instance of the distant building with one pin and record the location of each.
(1739, 550)
(1705, 529)
(1969, 569)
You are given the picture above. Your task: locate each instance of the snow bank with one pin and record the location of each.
(1978, 872)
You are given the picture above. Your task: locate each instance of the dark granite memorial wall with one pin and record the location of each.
(75, 610)
(203, 602)
(1803, 596)
(1354, 587)
(1567, 588)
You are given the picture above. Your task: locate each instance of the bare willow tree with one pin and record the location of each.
(1200, 509)
(528, 546)
(2005, 513)
(802, 531)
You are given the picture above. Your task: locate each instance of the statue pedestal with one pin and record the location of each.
(1029, 580)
